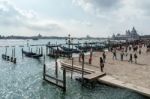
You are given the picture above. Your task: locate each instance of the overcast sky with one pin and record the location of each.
(97, 18)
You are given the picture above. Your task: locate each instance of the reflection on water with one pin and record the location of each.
(24, 80)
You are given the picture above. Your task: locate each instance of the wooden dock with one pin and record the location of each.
(88, 77)
(94, 76)
(76, 68)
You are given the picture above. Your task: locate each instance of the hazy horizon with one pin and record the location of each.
(97, 18)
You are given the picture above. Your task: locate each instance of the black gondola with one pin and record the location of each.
(70, 50)
(31, 54)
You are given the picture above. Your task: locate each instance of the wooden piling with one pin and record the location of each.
(49, 50)
(36, 49)
(64, 79)
(46, 50)
(72, 69)
(31, 50)
(12, 56)
(39, 50)
(56, 69)
(6, 51)
(44, 71)
(7, 58)
(22, 52)
(14, 53)
(14, 60)
(82, 69)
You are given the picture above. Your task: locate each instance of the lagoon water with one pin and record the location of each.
(24, 79)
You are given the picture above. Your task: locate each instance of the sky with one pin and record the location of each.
(97, 18)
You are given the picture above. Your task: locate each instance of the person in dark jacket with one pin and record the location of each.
(130, 59)
(101, 64)
(135, 57)
(104, 57)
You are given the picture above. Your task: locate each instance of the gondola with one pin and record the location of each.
(31, 54)
(68, 50)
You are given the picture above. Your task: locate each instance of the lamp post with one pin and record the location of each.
(69, 41)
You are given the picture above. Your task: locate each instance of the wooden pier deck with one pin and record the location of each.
(94, 76)
(76, 68)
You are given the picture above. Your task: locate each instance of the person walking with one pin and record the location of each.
(80, 55)
(130, 59)
(121, 55)
(135, 57)
(140, 51)
(114, 54)
(129, 48)
(101, 64)
(104, 57)
(91, 54)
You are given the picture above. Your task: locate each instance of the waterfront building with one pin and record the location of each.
(129, 35)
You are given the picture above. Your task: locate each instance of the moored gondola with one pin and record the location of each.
(31, 54)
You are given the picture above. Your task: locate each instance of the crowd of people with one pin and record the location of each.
(129, 51)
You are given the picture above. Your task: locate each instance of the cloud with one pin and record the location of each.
(118, 14)
(81, 23)
(98, 18)
(11, 16)
(98, 6)
(115, 8)
(45, 27)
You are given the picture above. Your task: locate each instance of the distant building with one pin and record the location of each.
(145, 37)
(129, 35)
(39, 36)
(88, 37)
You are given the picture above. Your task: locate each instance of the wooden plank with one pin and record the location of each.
(75, 67)
(53, 78)
(94, 76)
(53, 81)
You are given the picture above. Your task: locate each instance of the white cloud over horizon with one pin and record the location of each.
(78, 17)
(127, 13)
(13, 17)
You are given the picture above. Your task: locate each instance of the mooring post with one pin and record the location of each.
(29, 49)
(42, 50)
(36, 50)
(7, 58)
(6, 52)
(22, 52)
(44, 69)
(82, 68)
(14, 57)
(39, 50)
(15, 60)
(64, 79)
(46, 50)
(56, 68)
(72, 69)
(14, 53)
